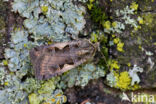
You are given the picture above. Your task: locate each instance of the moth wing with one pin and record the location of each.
(63, 44)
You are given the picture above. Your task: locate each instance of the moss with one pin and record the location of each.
(2, 17)
(94, 37)
(2, 28)
(149, 19)
(91, 1)
(146, 5)
(2, 22)
(99, 36)
(151, 77)
(97, 13)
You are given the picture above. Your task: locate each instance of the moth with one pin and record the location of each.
(55, 59)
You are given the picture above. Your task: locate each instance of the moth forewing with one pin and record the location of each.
(64, 56)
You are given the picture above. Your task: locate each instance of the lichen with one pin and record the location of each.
(3, 73)
(118, 44)
(47, 22)
(126, 80)
(133, 74)
(113, 64)
(126, 17)
(134, 6)
(48, 86)
(17, 60)
(56, 98)
(59, 18)
(17, 54)
(31, 85)
(120, 47)
(13, 92)
(107, 25)
(123, 81)
(33, 99)
(81, 75)
(111, 79)
(119, 80)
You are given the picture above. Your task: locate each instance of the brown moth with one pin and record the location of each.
(55, 59)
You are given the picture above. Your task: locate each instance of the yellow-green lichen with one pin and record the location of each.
(33, 99)
(48, 86)
(114, 24)
(123, 80)
(128, 64)
(119, 44)
(5, 62)
(6, 83)
(120, 47)
(56, 98)
(90, 4)
(113, 64)
(107, 25)
(140, 20)
(134, 6)
(126, 80)
(116, 40)
(44, 9)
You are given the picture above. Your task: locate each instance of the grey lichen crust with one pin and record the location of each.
(54, 19)
(18, 53)
(17, 60)
(81, 75)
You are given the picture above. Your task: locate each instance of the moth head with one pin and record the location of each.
(34, 53)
